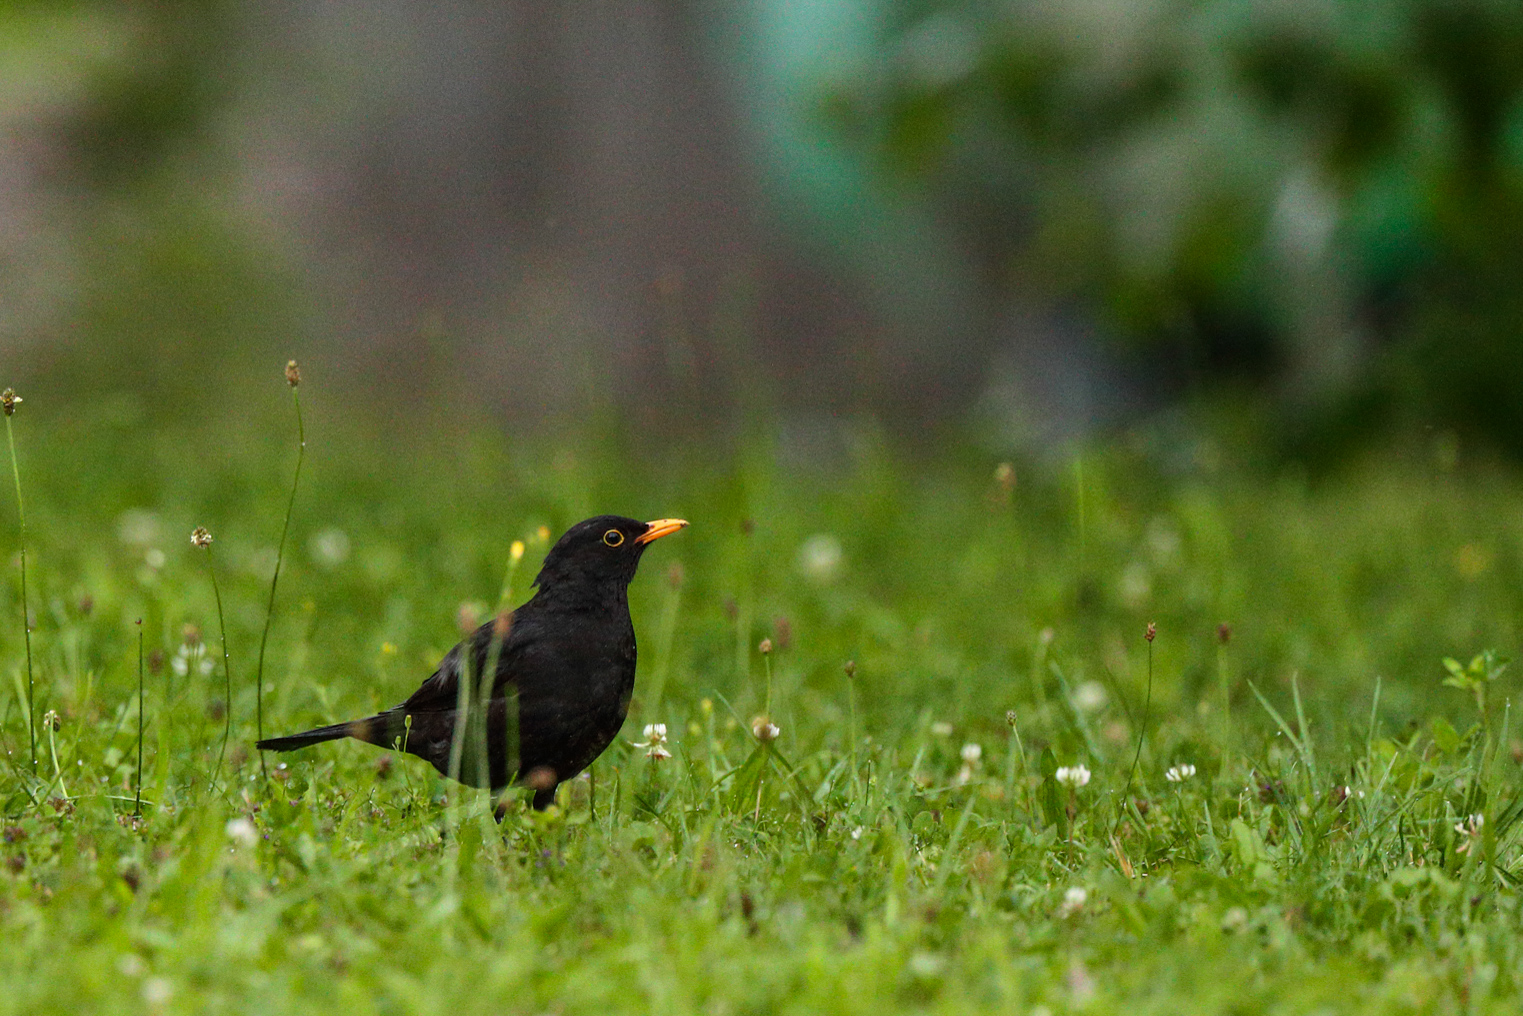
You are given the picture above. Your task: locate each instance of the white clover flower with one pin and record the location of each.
(1179, 773)
(655, 741)
(764, 729)
(187, 657)
(1072, 776)
(820, 557)
(242, 832)
(941, 728)
(1073, 901)
(1089, 697)
(1471, 828)
(157, 991)
(971, 753)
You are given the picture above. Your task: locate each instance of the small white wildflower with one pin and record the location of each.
(1089, 697)
(1073, 900)
(154, 558)
(1470, 828)
(941, 728)
(157, 991)
(187, 657)
(1179, 773)
(820, 557)
(242, 832)
(971, 753)
(655, 741)
(330, 547)
(764, 729)
(856, 833)
(1072, 776)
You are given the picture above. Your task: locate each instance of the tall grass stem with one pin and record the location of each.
(137, 804)
(227, 668)
(280, 553)
(26, 621)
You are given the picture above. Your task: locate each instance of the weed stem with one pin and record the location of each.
(26, 623)
(280, 553)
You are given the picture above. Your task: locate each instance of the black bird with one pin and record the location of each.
(563, 669)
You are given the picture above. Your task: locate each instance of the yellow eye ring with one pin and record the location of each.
(613, 537)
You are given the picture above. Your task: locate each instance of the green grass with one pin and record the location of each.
(861, 866)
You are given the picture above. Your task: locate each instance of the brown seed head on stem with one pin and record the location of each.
(200, 538)
(1224, 633)
(293, 373)
(765, 648)
(9, 400)
(1152, 632)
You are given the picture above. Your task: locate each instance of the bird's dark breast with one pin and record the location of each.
(575, 703)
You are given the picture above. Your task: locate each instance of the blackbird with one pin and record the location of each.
(562, 666)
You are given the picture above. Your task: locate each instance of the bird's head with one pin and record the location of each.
(601, 550)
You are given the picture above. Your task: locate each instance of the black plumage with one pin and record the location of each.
(562, 665)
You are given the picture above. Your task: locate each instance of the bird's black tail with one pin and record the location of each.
(332, 732)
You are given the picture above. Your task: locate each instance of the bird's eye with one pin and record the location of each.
(613, 537)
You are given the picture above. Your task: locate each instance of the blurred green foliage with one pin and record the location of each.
(1322, 199)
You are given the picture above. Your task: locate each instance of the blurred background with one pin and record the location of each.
(1299, 220)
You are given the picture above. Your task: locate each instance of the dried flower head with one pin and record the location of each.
(1152, 632)
(764, 729)
(765, 648)
(1010, 718)
(850, 668)
(1072, 776)
(1224, 633)
(199, 537)
(9, 400)
(293, 373)
(51, 720)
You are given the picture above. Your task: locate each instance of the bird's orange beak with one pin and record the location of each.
(659, 528)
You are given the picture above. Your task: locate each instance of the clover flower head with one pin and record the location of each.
(1470, 828)
(1072, 776)
(764, 729)
(199, 537)
(242, 832)
(1179, 773)
(1073, 901)
(971, 753)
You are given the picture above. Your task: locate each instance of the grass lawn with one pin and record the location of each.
(1340, 833)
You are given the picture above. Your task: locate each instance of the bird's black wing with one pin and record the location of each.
(475, 654)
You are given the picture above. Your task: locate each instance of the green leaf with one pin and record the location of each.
(748, 777)
(1444, 735)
